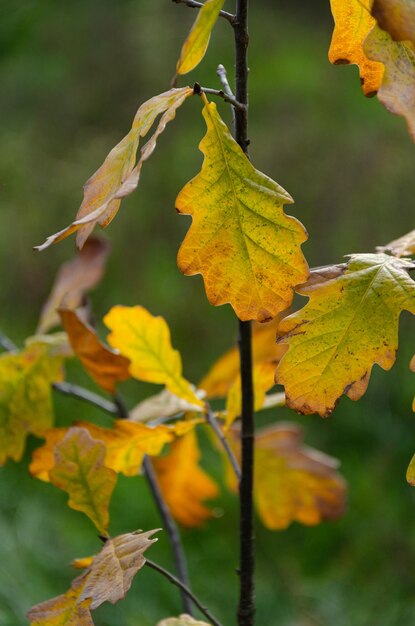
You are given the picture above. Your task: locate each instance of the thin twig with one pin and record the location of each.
(172, 531)
(185, 589)
(88, 396)
(221, 94)
(198, 5)
(223, 77)
(7, 344)
(218, 431)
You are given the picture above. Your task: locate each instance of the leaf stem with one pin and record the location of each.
(221, 94)
(216, 428)
(7, 344)
(76, 391)
(223, 77)
(185, 589)
(193, 4)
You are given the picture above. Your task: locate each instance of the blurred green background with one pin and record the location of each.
(72, 77)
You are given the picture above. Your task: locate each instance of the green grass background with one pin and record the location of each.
(72, 77)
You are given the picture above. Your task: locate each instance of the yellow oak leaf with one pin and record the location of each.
(349, 324)
(263, 379)
(225, 371)
(145, 340)
(183, 483)
(292, 482)
(397, 92)
(119, 175)
(107, 579)
(182, 620)
(353, 22)
(240, 240)
(404, 246)
(397, 17)
(105, 366)
(73, 280)
(25, 397)
(126, 444)
(80, 471)
(196, 44)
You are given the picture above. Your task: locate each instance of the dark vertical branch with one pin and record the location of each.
(246, 608)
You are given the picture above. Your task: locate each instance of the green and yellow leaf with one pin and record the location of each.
(247, 250)
(145, 340)
(352, 23)
(80, 471)
(119, 175)
(292, 482)
(184, 485)
(25, 397)
(196, 44)
(106, 367)
(107, 579)
(349, 324)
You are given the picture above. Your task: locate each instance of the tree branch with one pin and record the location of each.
(221, 94)
(198, 5)
(185, 589)
(215, 426)
(223, 77)
(88, 396)
(7, 344)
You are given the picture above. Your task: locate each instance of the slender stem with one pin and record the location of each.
(215, 426)
(172, 531)
(246, 607)
(7, 344)
(221, 94)
(88, 396)
(185, 589)
(193, 4)
(223, 77)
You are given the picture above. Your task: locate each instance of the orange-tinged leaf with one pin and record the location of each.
(397, 92)
(83, 562)
(119, 175)
(263, 379)
(145, 340)
(404, 246)
(397, 17)
(162, 405)
(126, 444)
(73, 280)
(107, 579)
(184, 485)
(240, 240)
(196, 44)
(25, 397)
(349, 324)
(225, 371)
(80, 471)
(353, 22)
(182, 620)
(105, 366)
(293, 482)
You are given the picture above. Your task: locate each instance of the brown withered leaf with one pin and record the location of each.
(107, 579)
(161, 405)
(73, 280)
(292, 482)
(397, 17)
(182, 620)
(80, 471)
(119, 175)
(104, 365)
(404, 246)
(183, 483)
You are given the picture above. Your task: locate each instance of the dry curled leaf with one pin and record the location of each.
(119, 175)
(397, 17)
(247, 250)
(107, 579)
(145, 340)
(184, 485)
(104, 365)
(349, 324)
(162, 405)
(182, 620)
(73, 280)
(292, 482)
(353, 22)
(404, 246)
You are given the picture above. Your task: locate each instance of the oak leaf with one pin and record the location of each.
(240, 240)
(183, 483)
(107, 579)
(80, 471)
(105, 366)
(182, 620)
(162, 405)
(73, 280)
(292, 482)
(196, 44)
(119, 175)
(349, 324)
(397, 17)
(404, 246)
(353, 22)
(145, 340)
(25, 397)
